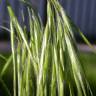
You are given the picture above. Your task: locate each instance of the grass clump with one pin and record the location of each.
(47, 64)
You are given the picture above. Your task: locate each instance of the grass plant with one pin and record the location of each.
(47, 63)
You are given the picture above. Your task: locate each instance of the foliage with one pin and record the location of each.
(47, 63)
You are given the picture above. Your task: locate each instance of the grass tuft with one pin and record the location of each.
(47, 64)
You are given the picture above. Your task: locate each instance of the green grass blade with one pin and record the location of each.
(8, 62)
(2, 57)
(13, 55)
(5, 87)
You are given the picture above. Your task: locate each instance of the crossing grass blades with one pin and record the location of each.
(48, 63)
